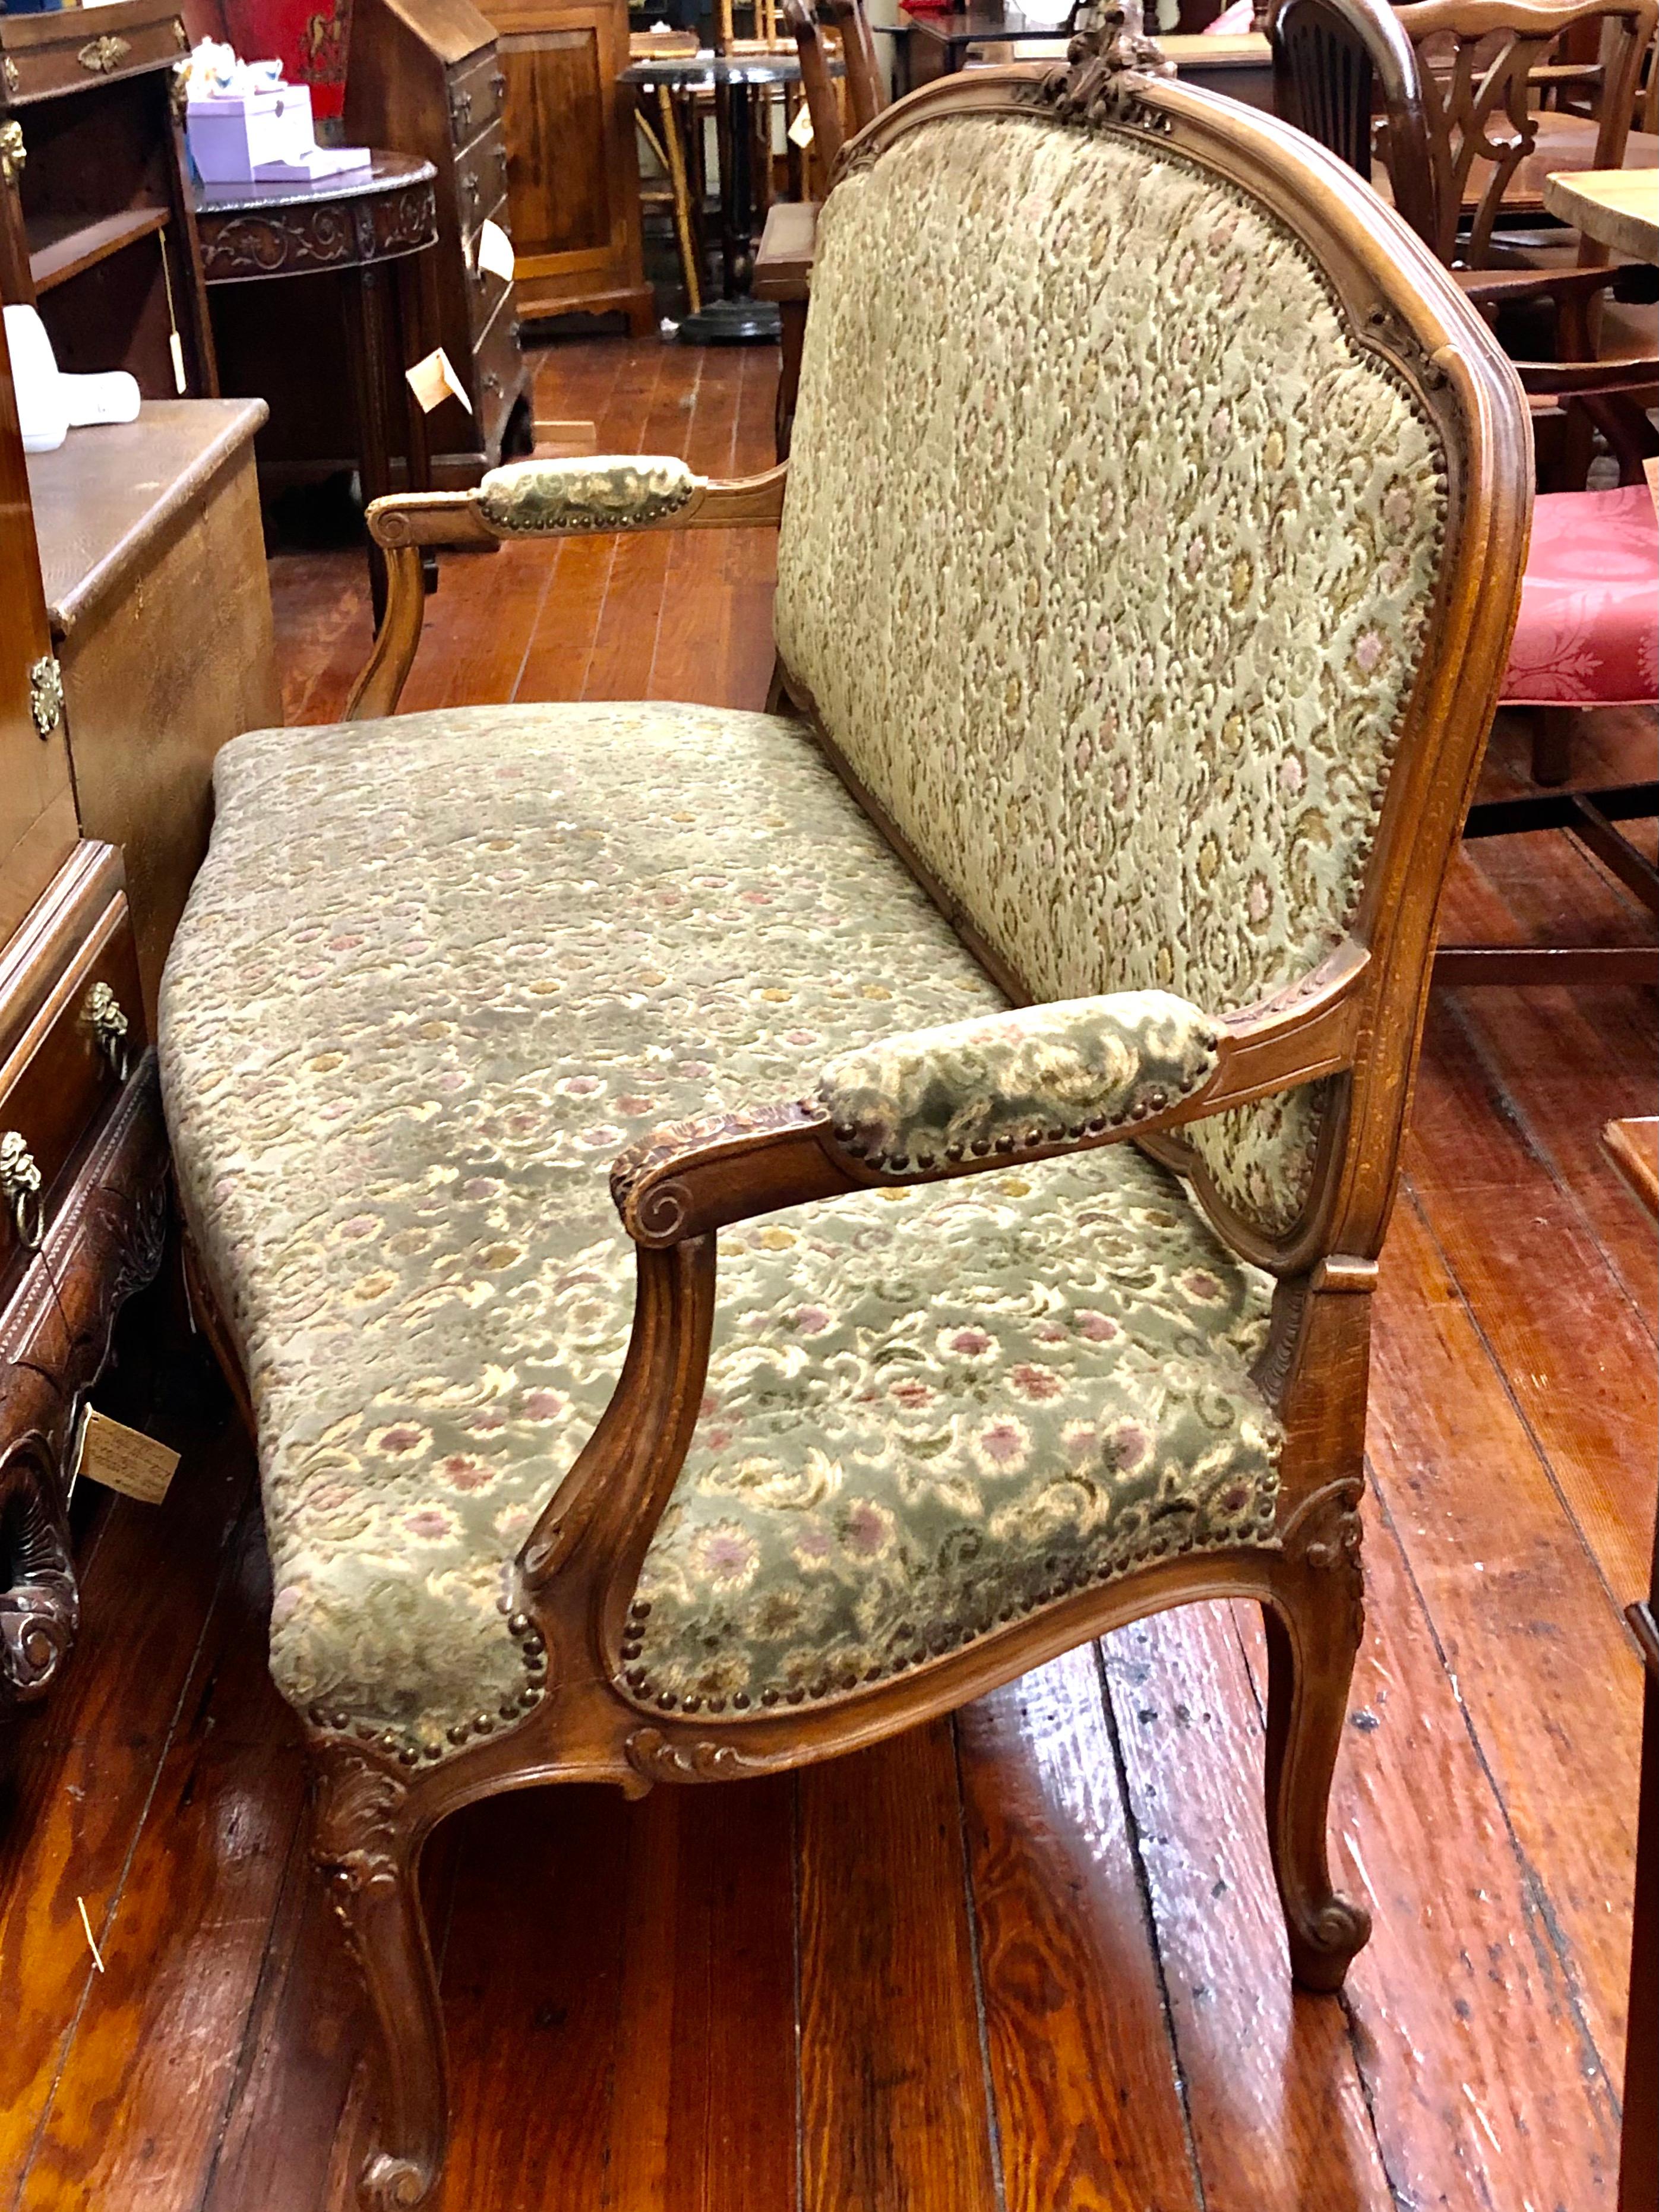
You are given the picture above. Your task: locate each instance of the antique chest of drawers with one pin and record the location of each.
(424, 77)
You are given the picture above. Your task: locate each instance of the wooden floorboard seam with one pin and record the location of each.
(1408, 1190)
(227, 1553)
(987, 2080)
(1532, 1139)
(1149, 1920)
(1534, 1891)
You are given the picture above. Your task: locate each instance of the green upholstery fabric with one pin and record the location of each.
(1034, 1075)
(1106, 558)
(612, 491)
(435, 973)
(937, 1408)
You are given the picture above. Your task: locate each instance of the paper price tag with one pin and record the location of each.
(176, 348)
(494, 250)
(124, 1459)
(800, 131)
(433, 381)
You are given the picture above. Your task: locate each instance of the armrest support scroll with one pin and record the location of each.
(538, 499)
(1122, 1066)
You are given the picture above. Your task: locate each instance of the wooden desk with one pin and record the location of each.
(1618, 207)
(153, 559)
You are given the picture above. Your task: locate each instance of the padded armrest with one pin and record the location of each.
(604, 491)
(1072, 1068)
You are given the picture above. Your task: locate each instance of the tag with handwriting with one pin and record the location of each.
(801, 129)
(433, 381)
(494, 250)
(124, 1459)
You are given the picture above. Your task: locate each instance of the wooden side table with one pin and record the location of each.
(370, 230)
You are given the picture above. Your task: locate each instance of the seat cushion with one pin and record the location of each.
(1589, 630)
(434, 974)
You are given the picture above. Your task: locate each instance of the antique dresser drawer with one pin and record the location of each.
(65, 52)
(474, 95)
(481, 182)
(496, 358)
(73, 1032)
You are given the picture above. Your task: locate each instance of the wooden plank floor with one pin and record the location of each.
(1029, 1962)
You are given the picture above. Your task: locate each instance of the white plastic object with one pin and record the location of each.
(50, 403)
(42, 407)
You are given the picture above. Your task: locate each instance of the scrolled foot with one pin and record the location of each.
(1323, 1944)
(393, 2185)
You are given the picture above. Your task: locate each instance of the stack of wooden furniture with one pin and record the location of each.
(424, 77)
(95, 223)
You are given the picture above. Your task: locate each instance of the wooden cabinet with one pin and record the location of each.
(83, 1160)
(95, 223)
(153, 559)
(424, 78)
(571, 168)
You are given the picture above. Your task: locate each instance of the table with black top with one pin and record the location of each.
(737, 317)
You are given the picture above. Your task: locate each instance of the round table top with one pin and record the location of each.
(387, 173)
(702, 72)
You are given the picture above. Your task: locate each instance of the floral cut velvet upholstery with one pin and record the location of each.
(1151, 538)
(1070, 1069)
(435, 974)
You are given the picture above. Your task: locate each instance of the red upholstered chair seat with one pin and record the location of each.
(1589, 631)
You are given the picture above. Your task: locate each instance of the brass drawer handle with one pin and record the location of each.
(109, 1027)
(100, 55)
(20, 1184)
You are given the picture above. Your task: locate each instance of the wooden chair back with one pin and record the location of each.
(867, 92)
(1458, 94)
(801, 19)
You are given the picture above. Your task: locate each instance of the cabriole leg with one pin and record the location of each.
(366, 1845)
(1313, 1637)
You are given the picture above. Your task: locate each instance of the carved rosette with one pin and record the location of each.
(643, 1188)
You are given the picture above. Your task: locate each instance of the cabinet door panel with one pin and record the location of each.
(572, 171)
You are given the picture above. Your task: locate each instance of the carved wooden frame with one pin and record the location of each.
(1355, 1021)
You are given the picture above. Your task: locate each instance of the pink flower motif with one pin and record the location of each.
(1128, 1445)
(632, 1102)
(1036, 1383)
(811, 1550)
(1202, 1286)
(1049, 1332)
(543, 1405)
(725, 1555)
(478, 1186)
(971, 1343)
(361, 1225)
(911, 1395)
(1098, 1328)
(580, 1086)
(404, 1437)
(432, 1524)
(1003, 1446)
(867, 1529)
(811, 1320)
(463, 1472)
(1369, 651)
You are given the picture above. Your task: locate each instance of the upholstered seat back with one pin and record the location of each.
(1107, 560)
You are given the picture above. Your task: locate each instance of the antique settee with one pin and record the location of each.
(741, 1231)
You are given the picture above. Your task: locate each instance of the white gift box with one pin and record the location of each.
(235, 137)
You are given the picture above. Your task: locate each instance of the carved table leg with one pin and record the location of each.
(366, 1846)
(1313, 1636)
